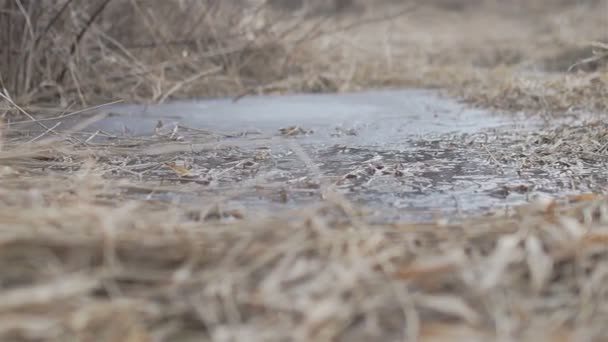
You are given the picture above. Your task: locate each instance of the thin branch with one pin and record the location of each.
(81, 34)
(33, 119)
(45, 132)
(70, 114)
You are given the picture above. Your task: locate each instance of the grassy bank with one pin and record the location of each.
(87, 255)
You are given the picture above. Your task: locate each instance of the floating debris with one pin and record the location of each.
(294, 131)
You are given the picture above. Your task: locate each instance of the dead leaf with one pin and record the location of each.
(583, 197)
(293, 131)
(179, 170)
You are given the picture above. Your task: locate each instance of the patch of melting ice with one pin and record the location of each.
(406, 154)
(373, 117)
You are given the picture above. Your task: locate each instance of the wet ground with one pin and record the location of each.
(405, 155)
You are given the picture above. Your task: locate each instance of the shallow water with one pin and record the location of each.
(379, 117)
(407, 155)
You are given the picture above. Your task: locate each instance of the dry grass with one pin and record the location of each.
(535, 56)
(82, 258)
(538, 56)
(73, 52)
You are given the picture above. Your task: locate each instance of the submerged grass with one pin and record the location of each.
(82, 258)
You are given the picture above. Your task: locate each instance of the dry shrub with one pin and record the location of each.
(87, 51)
(76, 51)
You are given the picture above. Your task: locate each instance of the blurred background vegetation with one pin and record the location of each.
(75, 51)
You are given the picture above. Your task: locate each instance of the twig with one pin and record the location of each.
(45, 132)
(75, 43)
(190, 79)
(53, 21)
(204, 131)
(494, 159)
(596, 57)
(68, 115)
(10, 101)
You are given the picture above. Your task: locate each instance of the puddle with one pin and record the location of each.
(369, 118)
(406, 155)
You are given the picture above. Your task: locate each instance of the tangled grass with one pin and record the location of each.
(82, 259)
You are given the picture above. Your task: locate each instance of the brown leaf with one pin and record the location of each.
(179, 170)
(584, 197)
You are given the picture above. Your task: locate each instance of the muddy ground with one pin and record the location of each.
(97, 246)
